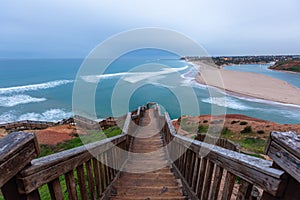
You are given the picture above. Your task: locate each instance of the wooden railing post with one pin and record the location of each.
(284, 149)
(17, 150)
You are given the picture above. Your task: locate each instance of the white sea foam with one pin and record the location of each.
(10, 101)
(227, 102)
(34, 87)
(265, 101)
(7, 117)
(132, 77)
(51, 115)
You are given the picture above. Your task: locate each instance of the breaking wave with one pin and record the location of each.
(10, 101)
(227, 102)
(51, 115)
(34, 87)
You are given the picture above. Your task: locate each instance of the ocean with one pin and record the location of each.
(41, 89)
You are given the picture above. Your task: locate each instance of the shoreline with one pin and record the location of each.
(248, 84)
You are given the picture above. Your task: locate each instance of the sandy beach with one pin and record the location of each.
(247, 84)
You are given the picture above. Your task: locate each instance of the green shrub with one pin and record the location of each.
(243, 123)
(226, 132)
(260, 131)
(255, 145)
(234, 122)
(247, 129)
(202, 129)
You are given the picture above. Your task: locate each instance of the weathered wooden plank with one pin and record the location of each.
(17, 150)
(10, 190)
(201, 176)
(71, 187)
(191, 170)
(102, 173)
(244, 190)
(97, 176)
(285, 159)
(228, 186)
(81, 182)
(91, 184)
(195, 173)
(216, 183)
(17, 162)
(54, 159)
(187, 163)
(207, 180)
(44, 176)
(289, 140)
(55, 190)
(35, 195)
(254, 170)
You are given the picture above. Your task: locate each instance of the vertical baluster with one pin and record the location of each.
(228, 187)
(97, 177)
(107, 178)
(183, 167)
(207, 180)
(216, 183)
(71, 187)
(191, 170)
(102, 172)
(55, 190)
(201, 176)
(81, 181)
(35, 195)
(187, 164)
(91, 184)
(244, 190)
(195, 173)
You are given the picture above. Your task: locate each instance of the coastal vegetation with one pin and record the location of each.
(93, 136)
(250, 133)
(287, 65)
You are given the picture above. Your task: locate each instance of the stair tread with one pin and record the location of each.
(155, 179)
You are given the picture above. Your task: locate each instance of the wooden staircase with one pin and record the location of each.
(147, 173)
(137, 165)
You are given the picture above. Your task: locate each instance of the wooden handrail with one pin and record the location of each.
(203, 168)
(16, 151)
(194, 162)
(48, 168)
(99, 163)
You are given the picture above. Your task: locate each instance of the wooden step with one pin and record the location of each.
(148, 176)
(144, 182)
(155, 180)
(146, 191)
(148, 198)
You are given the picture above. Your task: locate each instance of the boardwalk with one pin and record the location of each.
(147, 174)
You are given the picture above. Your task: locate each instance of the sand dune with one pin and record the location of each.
(248, 84)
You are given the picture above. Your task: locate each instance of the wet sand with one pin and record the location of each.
(247, 84)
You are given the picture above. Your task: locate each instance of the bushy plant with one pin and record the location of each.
(247, 129)
(243, 123)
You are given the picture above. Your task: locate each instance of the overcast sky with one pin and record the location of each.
(70, 28)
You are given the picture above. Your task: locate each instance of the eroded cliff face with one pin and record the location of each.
(289, 65)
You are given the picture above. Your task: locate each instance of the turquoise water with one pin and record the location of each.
(291, 78)
(41, 89)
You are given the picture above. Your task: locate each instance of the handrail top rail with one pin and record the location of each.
(12, 142)
(250, 161)
(56, 158)
(253, 162)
